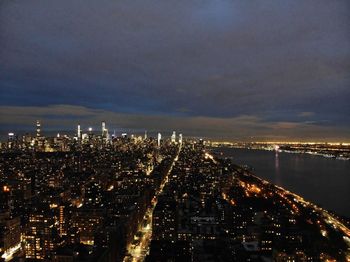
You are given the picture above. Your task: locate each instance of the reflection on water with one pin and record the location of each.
(277, 168)
(321, 180)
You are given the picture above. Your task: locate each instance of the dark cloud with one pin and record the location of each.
(244, 127)
(198, 59)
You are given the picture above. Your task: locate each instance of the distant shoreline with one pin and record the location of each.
(326, 212)
(340, 154)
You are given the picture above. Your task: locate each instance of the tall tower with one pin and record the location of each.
(180, 139)
(62, 230)
(79, 132)
(145, 137)
(38, 128)
(103, 128)
(158, 139)
(90, 134)
(173, 137)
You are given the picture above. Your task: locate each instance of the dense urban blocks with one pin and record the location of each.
(105, 198)
(225, 213)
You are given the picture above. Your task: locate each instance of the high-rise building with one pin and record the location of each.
(40, 235)
(103, 127)
(87, 221)
(90, 134)
(104, 130)
(11, 136)
(145, 137)
(173, 137)
(10, 237)
(62, 229)
(11, 140)
(159, 138)
(79, 132)
(165, 219)
(180, 139)
(38, 128)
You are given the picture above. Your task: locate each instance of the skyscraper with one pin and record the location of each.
(158, 139)
(11, 140)
(79, 132)
(90, 134)
(173, 137)
(38, 128)
(103, 127)
(104, 130)
(180, 139)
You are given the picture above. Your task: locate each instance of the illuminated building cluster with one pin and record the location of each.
(69, 199)
(222, 212)
(101, 197)
(340, 151)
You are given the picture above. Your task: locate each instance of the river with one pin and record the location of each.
(323, 181)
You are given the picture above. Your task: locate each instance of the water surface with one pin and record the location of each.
(323, 181)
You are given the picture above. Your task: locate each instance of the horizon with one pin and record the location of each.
(188, 131)
(165, 133)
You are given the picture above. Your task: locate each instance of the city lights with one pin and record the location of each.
(156, 194)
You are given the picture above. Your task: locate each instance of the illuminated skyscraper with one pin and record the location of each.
(11, 140)
(11, 136)
(103, 127)
(180, 139)
(173, 137)
(104, 130)
(38, 128)
(159, 138)
(79, 133)
(90, 134)
(145, 137)
(62, 229)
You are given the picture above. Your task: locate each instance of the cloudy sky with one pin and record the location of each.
(225, 69)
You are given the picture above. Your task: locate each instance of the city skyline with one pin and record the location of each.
(197, 130)
(141, 199)
(94, 127)
(222, 70)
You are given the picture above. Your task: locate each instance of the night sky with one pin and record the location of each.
(226, 69)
